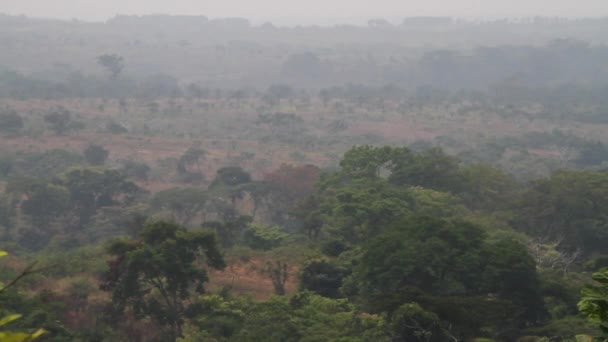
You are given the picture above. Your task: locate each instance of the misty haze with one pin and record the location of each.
(340, 171)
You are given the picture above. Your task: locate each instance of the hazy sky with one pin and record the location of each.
(305, 11)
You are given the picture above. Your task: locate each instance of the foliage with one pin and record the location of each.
(310, 318)
(432, 169)
(192, 156)
(568, 208)
(594, 302)
(263, 237)
(184, 203)
(323, 277)
(421, 257)
(231, 176)
(486, 187)
(44, 201)
(410, 322)
(60, 121)
(418, 246)
(229, 232)
(156, 274)
(426, 253)
(96, 155)
(215, 317)
(42, 164)
(91, 189)
(9, 336)
(136, 170)
(278, 272)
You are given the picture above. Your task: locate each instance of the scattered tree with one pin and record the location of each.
(157, 274)
(184, 203)
(113, 63)
(96, 155)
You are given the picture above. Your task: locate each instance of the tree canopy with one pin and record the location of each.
(157, 273)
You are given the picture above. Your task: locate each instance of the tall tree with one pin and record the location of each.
(91, 189)
(184, 203)
(156, 274)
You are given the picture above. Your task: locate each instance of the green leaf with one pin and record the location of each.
(601, 277)
(38, 333)
(15, 337)
(3, 253)
(20, 336)
(4, 321)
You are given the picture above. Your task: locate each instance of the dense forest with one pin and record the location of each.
(174, 178)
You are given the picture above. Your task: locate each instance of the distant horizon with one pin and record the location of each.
(308, 21)
(311, 12)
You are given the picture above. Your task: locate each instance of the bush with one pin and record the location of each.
(322, 277)
(10, 121)
(96, 155)
(263, 237)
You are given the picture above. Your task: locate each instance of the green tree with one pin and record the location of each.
(217, 317)
(136, 170)
(568, 208)
(192, 157)
(510, 272)
(410, 322)
(368, 161)
(263, 237)
(184, 203)
(432, 169)
(60, 121)
(269, 321)
(230, 231)
(306, 317)
(158, 273)
(96, 155)
(484, 187)
(44, 165)
(43, 204)
(439, 256)
(91, 189)
(231, 176)
(323, 277)
(445, 265)
(361, 210)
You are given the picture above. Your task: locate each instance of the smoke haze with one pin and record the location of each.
(305, 12)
